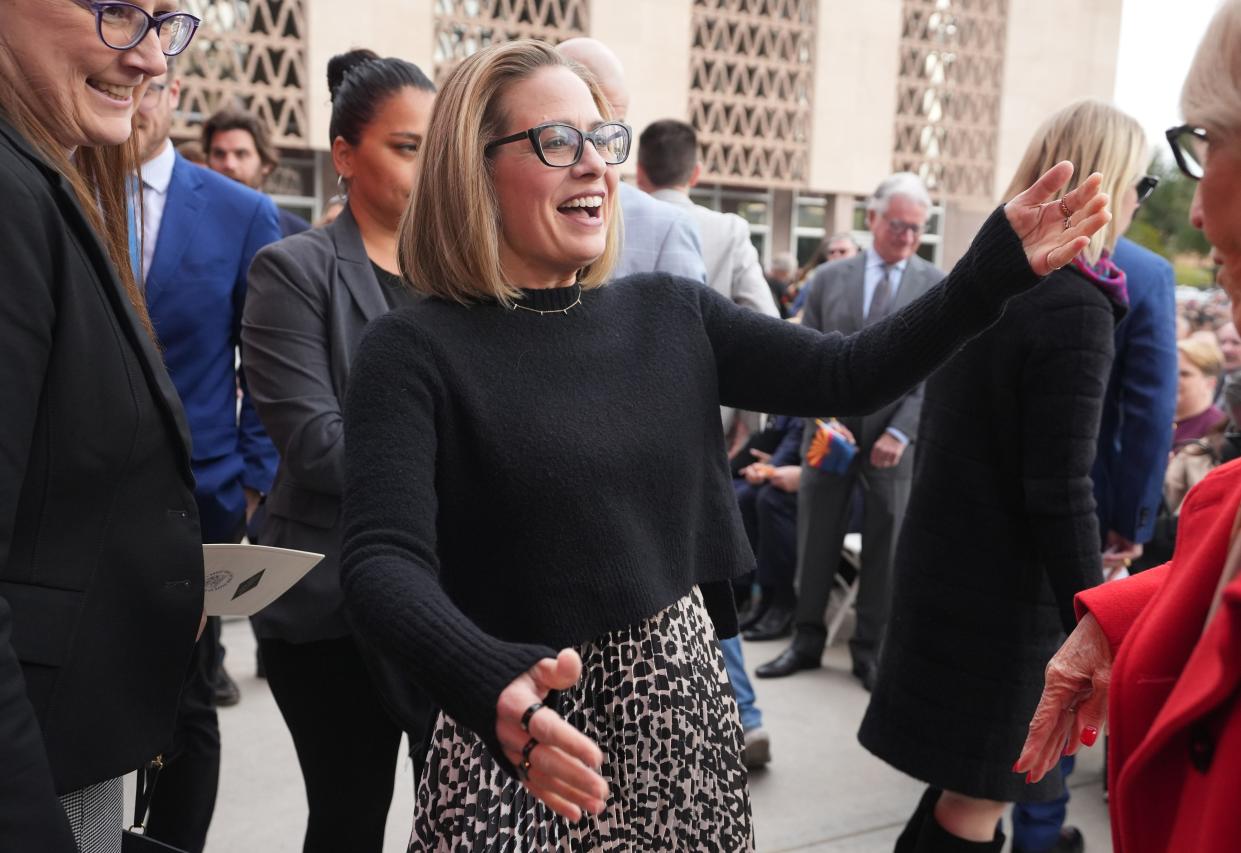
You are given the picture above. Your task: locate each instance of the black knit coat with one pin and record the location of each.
(1000, 534)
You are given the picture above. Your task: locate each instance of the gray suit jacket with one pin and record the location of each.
(834, 303)
(733, 267)
(657, 237)
(310, 297)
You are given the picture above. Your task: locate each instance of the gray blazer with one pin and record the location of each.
(657, 237)
(310, 297)
(834, 303)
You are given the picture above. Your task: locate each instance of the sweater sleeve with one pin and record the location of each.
(1062, 385)
(766, 365)
(389, 565)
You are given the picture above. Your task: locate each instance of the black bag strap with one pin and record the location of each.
(148, 775)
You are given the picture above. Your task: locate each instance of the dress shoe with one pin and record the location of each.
(226, 690)
(865, 673)
(776, 623)
(791, 660)
(757, 750)
(1070, 841)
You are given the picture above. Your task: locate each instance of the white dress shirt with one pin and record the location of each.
(156, 175)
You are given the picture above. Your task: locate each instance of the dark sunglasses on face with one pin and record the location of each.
(1145, 186)
(560, 145)
(1189, 147)
(122, 26)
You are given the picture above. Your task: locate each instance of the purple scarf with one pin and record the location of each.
(1106, 276)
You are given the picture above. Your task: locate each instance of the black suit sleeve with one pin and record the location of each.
(30, 815)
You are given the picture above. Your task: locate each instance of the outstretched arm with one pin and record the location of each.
(769, 366)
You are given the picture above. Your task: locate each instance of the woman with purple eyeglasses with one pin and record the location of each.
(101, 584)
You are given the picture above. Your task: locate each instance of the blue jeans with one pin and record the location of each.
(1036, 826)
(734, 662)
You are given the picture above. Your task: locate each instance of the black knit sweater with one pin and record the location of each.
(520, 483)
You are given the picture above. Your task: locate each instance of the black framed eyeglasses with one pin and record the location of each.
(1189, 147)
(561, 145)
(1145, 186)
(122, 26)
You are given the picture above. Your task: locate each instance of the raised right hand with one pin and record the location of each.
(561, 772)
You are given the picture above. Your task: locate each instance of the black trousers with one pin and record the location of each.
(184, 798)
(347, 744)
(770, 519)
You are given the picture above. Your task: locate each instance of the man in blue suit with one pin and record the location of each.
(1134, 439)
(200, 232)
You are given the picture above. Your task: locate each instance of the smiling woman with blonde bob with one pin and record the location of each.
(559, 602)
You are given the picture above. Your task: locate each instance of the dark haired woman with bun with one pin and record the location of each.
(310, 296)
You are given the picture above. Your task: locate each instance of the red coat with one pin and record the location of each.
(1174, 716)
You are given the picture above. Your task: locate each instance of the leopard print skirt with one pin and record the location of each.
(656, 699)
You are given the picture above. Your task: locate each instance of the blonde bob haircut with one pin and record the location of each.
(1095, 137)
(449, 239)
(1211, 96)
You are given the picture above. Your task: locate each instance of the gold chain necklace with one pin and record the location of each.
(517, 306)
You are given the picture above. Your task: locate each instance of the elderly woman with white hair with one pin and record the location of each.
(556, 601)
(1001, 532)
(1158, 655)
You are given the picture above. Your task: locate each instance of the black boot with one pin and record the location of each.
(908, 840)
(935, 839)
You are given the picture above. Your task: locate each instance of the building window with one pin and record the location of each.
(250, 54)
(751, 89)
(809, 226)
(463, 27)
(948, 94)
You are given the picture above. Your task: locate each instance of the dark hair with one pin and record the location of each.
(359, 81)
(232, 118)
(668, 152)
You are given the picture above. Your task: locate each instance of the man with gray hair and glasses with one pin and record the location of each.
(845, 296)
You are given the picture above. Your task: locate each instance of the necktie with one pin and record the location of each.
(882, 298)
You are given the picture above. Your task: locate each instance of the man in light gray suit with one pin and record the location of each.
(657, 237)
(667, 167)
(845, 296)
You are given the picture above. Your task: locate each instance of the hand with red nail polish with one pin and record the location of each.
(1074, 702)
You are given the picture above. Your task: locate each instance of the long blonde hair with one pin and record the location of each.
(97, 175)
(449, 240)
(1211, 96)
(1095, 137)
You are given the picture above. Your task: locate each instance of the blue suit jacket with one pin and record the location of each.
(657, 237)
(196, 289)
(1136, 432)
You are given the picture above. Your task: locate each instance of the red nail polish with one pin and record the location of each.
(1015, 763)
(1030, 778)
(1089, 735)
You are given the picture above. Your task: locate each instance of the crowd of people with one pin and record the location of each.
(499, 325)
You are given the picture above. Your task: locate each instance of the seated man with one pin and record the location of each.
(767, 496)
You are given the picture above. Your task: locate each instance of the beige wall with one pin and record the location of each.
(1082, 41)
(389, 27)
(854, 94)
(652, 39)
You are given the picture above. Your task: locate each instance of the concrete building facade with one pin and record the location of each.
(802, 106)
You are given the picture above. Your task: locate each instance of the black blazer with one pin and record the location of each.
(310, 297)
(100, 562)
